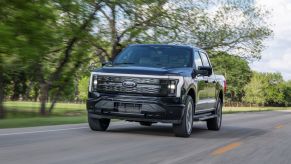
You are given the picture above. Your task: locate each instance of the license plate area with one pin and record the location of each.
(127, 107)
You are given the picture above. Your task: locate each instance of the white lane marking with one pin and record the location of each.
(42, 131)
(56, 130)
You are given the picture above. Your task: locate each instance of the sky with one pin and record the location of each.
(277, 55)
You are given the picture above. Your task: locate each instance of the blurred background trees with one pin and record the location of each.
(47, 47)
(237, 72)
(268, 89)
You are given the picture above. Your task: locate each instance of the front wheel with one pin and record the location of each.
(215, 123)
(184, 129)
(98, 124)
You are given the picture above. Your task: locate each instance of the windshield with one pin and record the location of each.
(155, 56)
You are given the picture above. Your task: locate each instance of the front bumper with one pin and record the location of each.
(135, 108)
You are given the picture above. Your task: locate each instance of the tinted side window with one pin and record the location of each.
(204, 59)
(197, 60)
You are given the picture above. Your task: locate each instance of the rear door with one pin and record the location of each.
(210, 82)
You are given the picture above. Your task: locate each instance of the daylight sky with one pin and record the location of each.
(277, 56)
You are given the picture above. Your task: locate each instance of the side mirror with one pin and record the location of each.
(106, 63)
(203, 70)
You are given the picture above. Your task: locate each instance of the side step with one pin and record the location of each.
(203, 117)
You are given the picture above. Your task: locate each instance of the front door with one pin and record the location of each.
(202, 85)
(211, 85)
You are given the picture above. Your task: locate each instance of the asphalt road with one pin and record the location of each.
(245, 138)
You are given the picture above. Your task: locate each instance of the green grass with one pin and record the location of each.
(26, 114)
(20, 109)
(41, 121)
(227, 110)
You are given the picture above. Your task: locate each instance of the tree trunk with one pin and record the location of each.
(2, 111)
(44, 87)
(24, 88)
(54, 101)
(114, 34)
(36, 93)
(16, 90)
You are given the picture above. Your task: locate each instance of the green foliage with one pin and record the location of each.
(47, 46)
(26, 114)
(235, 28)
(265, 89)
(235, 70)
(287, 92)
(83, 88)
(47, 42)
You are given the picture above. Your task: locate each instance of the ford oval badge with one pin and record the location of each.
(129, 84)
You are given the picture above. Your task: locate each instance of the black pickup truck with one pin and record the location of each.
(150, 83)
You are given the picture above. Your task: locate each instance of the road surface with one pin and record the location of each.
(245, 138)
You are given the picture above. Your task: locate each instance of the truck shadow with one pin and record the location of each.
(199, 131)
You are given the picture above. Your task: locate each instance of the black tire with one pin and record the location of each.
(184, 129)
(146, 123)
(215, 123)
(98, 124)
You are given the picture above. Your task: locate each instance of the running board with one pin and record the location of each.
(204, 117)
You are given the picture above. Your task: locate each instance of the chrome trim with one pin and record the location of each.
(179, 86)
(90, 82)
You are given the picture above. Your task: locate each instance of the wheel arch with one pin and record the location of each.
(191, 92)
(221, 96)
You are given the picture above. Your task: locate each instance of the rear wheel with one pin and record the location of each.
(145, 123)
(184, 129)
(215, 123)
(98, 124)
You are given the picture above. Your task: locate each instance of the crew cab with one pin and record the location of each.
(150, 83)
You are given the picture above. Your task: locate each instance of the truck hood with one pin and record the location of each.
(143, 70)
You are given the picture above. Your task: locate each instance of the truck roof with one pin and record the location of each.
(172, 45)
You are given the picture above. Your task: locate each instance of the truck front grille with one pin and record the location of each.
(120, 79)
(109, 84)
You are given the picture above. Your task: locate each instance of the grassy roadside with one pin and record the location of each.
(25, 114)
(227, 110)
(17, 109)
(41, 121)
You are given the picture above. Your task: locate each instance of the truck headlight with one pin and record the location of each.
(94, 83)
(172, 86)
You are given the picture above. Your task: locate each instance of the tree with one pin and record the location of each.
(41, 36)
(287, 92)
(83, 88)
(274, 92)
(47, 45)
(76, 18)
(254, 90)
(127, 21)
(236, 71)
(2, 92)
(191, 22)
(265, 89)
(20, 39)
(236, 28)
